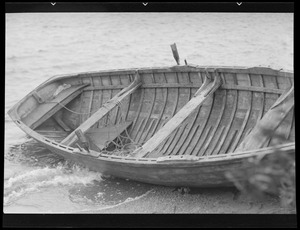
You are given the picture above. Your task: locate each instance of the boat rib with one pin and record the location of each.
(270, 122)
(206, 90)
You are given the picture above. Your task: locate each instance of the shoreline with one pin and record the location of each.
(210, 201)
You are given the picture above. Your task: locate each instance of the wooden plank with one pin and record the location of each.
(159, 107)
(173, 98)
(91, 98)
(186, 131)
(257, 107)
(114, 113)
(270, 99)
(231, 122)
(189, 85)
(223, 143)
(162, 145)
(180, 150)
(200, 128)
(125, 80)
(58, 118)
(199, 145)
(169, 141)
(104, 110)
(146, 132)
(194, 127)
(215, 127)
(183, 99)
(149, 111)
(107, 116)
(53, 134)
(247, 97)
(200, 97)
(175, 140)
(291, 136)
(269, 123)
(282, 132)
(136, 119)
(97, 98)
(290, 126)
(218, 143)
(48, 109)
(159, 119)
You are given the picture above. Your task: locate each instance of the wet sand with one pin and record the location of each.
(197, 201)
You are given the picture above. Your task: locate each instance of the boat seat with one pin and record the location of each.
(47, 109)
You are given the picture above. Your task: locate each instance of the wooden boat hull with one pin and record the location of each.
(206, 173)
(197, 149)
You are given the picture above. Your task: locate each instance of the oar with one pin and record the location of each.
(175, 53)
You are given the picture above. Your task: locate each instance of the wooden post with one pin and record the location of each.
(175, 53)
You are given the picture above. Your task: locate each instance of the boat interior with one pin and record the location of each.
(181, 110)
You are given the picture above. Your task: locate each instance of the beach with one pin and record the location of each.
(208, 201)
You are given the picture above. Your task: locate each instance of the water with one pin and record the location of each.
(39, 46)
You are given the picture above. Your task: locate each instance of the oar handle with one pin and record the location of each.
(175, 53)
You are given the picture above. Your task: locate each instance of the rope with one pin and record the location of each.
(122, 142)
(72, 111)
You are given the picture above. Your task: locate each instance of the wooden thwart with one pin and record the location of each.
(206, 90)
(104, 109)
(48, 109)
(269, 123)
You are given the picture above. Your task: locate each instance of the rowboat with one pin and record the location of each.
(184, 125)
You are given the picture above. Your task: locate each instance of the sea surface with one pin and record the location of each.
(41, 45)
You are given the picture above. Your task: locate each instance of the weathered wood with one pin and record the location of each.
(37, 97)
(207, 143)
(186, 131)
(195, 141)
(262, 132)
(203, 130)
(183, 99)
(83, 142)
(190, 134)
(149, 110)
(175, 139)
(48, 109)
(175, 53)
(213, 128)
(204, 92)
(171, 108)
(161, 113)
(101, 137)
(199, 146)
(104, 110)
(245, 96)
(58, 118)
(135, 121)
